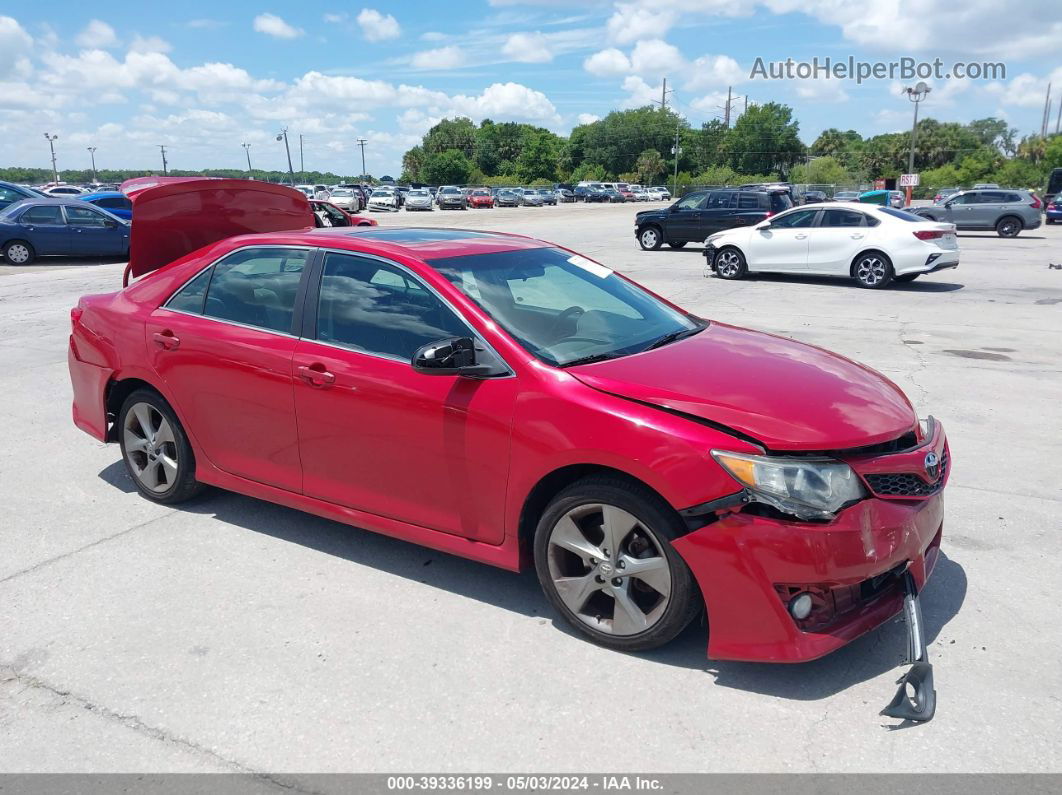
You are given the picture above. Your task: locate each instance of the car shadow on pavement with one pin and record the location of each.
(919, 286)
(864, 658)
(875, 653)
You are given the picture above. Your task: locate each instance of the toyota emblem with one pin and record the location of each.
(932, 465)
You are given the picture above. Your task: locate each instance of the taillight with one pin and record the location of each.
(928, 234)
(75, 316)
(1035, 203)
(1052, 207)
(770, 213)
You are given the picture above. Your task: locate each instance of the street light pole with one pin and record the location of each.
(302, 163)
(92, 154)
(361, 143)
(247, 151)
(283, 136)
(51, 145)
(676, 150)
(162, 148)
(915, 95)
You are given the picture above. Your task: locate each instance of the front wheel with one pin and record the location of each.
(604, 559)
(677, 245)
(19, 252)
(730, 264)
(872, 270)
(650, 238)
(1008, 227)
(156, 451)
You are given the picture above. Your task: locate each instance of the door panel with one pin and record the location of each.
(429, 450)
(784, 245)
(233, 388)
(685, 218)
(834, 243)
(46, 229)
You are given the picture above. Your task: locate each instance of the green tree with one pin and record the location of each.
(994, 132)
(413, 165)
(765, 139)
(709, 144)
(451, 167)
(649, 166)
(588, 172)
(834, 143)
(538, 158)
(821, 171)
(1053, 152)
(459, 134)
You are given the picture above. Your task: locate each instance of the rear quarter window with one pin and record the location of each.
(780, 202)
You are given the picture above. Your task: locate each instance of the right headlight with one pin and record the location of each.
(813, 488)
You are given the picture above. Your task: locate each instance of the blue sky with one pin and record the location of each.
(204, 77)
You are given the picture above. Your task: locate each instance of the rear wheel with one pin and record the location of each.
(1008, 226)
(872, 270)
(649, 238)
(19, 252)
(730, 264)
(155, 449)
(604, 559)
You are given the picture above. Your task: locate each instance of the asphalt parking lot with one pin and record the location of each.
(232, 634)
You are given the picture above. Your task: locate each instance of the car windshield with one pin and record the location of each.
(420, 193)
(342, 192)
(450, 190)
(564, 308)
(383, 191)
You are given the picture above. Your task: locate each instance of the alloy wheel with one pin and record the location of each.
(871, 271)
(649, 238)
(609, 569)
(1008, 229)
(150, 447)
(728, 264)
(18, 253)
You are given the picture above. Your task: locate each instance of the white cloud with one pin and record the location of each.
(272, 25)
(588, 118)
(441, 58)
(1026, 90)
(96, 34)
(710, 71)
(607, 62)
(335, 19)
(634, 21)
(149, 44)
(15, 46)
(821, 90)
(655, 57)
(639, 92)
(509, 100)
(433, 35)
(528, 48)
(378, 27)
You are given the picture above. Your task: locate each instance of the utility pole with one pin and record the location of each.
(283, 136)
(247, 151)
(162, 149)
(676, 150)
(746, 104)
(916, 95)
(663, 95)
(92, 154)
(302, 164)
(51, 145)
(726, 116)
(1058, 121)
(361, 143)
(1047, 112)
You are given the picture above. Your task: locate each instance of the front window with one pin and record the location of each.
(690, 202)
(82, 216)
(563, 308)
(794, 220)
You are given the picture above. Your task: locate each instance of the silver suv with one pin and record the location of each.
(1005, 210)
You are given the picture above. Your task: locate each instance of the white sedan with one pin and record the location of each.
(384, 198)
(873, 245)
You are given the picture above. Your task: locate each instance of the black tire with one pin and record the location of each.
(872, 270)
(650, 238)
(1009, 226)
(19, 252)
(677, 245)
(730, 264)
(907, 277)
(684, 601)
(179, 488)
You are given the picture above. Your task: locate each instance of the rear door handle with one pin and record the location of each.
(166, 339)
(857, 236)
(316, 374)
(800, 237)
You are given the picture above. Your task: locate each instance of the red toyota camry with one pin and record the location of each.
(508, 400)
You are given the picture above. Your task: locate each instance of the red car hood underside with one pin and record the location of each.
(785, 394)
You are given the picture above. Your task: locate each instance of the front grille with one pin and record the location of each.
(907, 484)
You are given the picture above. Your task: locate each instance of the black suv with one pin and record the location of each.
(705, 212)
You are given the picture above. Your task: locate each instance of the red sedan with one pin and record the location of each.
(481, 198)
(508, 400)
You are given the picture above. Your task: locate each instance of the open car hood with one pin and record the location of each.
(787, 395)
(174, 216)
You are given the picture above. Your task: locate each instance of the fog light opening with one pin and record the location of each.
(800, 606)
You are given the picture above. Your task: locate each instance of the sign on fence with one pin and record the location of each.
(909, 180)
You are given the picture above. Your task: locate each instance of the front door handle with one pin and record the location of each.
(166, 339)
(800, 237)
(857, 236)
(316, 374)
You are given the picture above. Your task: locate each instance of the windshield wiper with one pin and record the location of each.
(667, 339)
(594, 357)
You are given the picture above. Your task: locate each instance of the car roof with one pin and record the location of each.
(103, 194)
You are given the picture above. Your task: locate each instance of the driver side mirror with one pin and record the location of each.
(454, 356)
(763, 226)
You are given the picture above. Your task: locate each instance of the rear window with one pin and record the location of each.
(780, 202)
(749, 201)
(901, 214)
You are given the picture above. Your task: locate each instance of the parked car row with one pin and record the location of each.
(452, 197)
